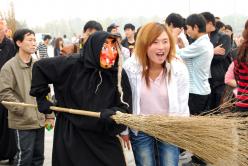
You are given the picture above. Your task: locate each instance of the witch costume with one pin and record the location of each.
(81, 83)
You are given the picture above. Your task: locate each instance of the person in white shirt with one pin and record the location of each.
(198, 57)
(160, 85)
(176, 23)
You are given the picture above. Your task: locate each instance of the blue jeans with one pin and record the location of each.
(148, 151)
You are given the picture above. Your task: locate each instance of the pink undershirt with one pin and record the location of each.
(154, 100)
(230, 76)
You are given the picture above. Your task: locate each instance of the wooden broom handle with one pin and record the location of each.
(58, 109)
(76, 111)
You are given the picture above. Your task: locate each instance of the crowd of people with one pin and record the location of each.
(181, 67)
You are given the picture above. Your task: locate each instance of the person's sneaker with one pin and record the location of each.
(4, 162)
(185, 155)
(198, 161)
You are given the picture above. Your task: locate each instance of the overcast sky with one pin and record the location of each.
(37, 12)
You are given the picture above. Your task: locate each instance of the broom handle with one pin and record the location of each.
(58, 109)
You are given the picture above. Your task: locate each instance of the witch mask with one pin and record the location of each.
(108, 53)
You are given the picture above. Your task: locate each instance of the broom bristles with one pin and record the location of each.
(219, 140)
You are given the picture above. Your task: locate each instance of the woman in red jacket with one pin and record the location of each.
(241, 72)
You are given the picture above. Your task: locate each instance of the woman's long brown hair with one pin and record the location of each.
(146, 36)
(57, 40)
(243, 49)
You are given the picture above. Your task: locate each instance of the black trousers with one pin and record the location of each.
(197, 103)
(8, 147)
(217, 91)
(30, 144)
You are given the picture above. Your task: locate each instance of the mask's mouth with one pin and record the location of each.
(107, 62)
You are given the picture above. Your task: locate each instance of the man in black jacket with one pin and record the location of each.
(220, 62)
(7, 138)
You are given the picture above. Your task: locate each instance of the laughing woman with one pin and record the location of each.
(160, 85)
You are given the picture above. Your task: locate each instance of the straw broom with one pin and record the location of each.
(219, 140)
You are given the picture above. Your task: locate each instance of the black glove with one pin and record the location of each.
(111, 127)
(106, 114)
(44, 105)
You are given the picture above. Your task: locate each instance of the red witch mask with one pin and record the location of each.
(108, 53)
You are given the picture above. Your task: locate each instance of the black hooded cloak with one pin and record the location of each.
(80, 83)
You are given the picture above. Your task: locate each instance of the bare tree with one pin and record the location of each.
(11, 20)
(9, 16)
